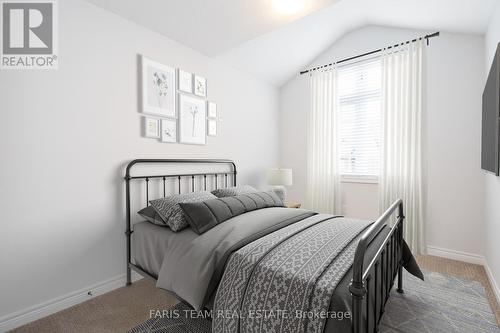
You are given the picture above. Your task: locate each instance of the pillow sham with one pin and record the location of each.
(150, 214)
(203, 216)
(232, 191)
(171, 213)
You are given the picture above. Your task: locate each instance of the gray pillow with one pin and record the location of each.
(203, 216)
(171, 213)
(150, 214)
(232, 191)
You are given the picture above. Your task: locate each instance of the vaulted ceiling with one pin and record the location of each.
(250, 35)
(208, 26)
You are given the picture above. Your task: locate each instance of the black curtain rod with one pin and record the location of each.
(426, 37)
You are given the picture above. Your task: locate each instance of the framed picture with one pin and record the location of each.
(212, 110)
(212, 127)
(158, 89)
(200, 86)
(151, 128)
(185, 81)
(169, 130)
(192, 116)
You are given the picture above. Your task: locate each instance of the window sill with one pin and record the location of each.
(359, 179)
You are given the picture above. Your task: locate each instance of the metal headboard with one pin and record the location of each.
(163, 178)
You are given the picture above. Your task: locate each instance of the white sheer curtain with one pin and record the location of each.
(323, 174)
(401, 167)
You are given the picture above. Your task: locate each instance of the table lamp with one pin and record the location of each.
(279, 178)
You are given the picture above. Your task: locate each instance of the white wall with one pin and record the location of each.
(492, 183)
(66, 135)
(454, 194)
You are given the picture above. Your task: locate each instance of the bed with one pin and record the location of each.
(340, 267)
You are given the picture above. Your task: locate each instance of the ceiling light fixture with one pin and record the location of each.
(288, 7)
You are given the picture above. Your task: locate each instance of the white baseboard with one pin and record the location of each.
(493, 282)
(456, 255)
(469, 258)
(47, 308)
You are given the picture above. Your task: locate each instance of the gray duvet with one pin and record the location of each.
(193, 262)
(193, 266)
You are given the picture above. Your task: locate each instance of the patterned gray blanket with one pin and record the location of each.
(283, 282)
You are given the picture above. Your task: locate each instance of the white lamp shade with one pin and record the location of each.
(279, 177)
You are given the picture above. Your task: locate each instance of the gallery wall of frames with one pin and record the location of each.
(175, 105)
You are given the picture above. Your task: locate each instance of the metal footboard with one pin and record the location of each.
(371, 284)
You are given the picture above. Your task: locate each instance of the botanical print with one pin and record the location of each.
(151, 128)
(159, 88)
(212, 127)
(193, 110)
(212, 110)
(200, 86)
(185, 81)
(192, 120)
(168, 130)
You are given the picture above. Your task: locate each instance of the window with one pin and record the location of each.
(360, 119)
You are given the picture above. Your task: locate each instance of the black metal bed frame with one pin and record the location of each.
(373, 281)
(377, 279)
(164, 178)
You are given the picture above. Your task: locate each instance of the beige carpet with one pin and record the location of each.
(116, 311)
(127, 307)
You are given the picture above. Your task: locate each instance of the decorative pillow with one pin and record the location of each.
(150, 214)
(280, 192)
(170, 211)
(232, 191)
(203, 216)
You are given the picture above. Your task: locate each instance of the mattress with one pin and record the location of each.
(151, 242)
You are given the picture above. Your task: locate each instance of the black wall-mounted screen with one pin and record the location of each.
(490, 141)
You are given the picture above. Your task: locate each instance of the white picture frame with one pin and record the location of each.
(212, 110)
(159, 93)
(200, 86)
(192, 120)
(169, 130)
(151, 128)
(211, 127)
(185, 81)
